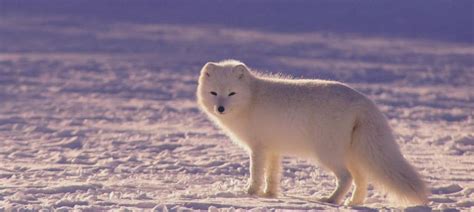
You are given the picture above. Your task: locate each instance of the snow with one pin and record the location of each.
(98, 112)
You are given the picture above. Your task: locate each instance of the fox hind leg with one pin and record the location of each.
(360, 190)
(344, 181)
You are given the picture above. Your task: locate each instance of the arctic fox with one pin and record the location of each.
(325, 121)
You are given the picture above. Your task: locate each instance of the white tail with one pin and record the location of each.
(379, 157)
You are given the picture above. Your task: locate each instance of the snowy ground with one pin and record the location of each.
(97, 112)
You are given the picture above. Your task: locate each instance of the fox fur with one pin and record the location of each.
(325, 121)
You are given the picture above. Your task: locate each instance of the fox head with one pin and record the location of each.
(224, 88)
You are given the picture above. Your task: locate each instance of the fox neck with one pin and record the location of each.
(235, 126)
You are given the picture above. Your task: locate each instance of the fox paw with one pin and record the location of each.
(327, 200)
(353, 203)
(252, 190)
(270, 194)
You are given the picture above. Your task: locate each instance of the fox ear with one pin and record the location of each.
(241, 70)
(208, 69)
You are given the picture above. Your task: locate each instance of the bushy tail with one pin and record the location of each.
(379, 157)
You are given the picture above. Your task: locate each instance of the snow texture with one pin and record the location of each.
(98, 111)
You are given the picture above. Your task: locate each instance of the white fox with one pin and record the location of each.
(325, 121)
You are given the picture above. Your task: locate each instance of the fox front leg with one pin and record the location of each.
(257, 166)
(272, 175)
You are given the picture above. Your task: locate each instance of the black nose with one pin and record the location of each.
(220, 109)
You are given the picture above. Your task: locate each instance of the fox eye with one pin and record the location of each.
(213, 93)
(232, 93)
